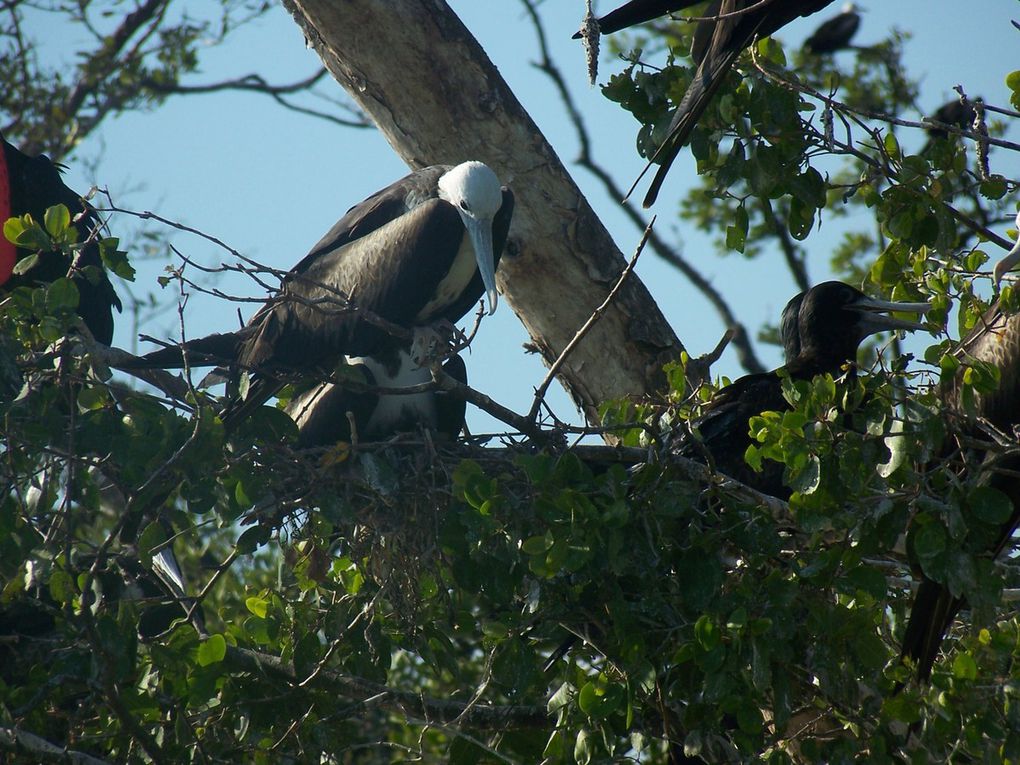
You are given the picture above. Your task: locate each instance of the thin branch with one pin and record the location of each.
(586, 327)
(412, 704)
(255, 83)
(37, 748)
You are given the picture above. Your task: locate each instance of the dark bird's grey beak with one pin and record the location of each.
(874, 319)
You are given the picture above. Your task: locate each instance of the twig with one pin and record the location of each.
(40, 750)
(586, 327)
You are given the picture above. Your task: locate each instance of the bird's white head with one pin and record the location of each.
(851, 8)
(475, 191)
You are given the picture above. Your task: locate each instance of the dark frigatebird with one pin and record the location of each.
(730, 26)
(995, 339)
(418, 253)
(835, 34)
(832, 319)
(955, 113)
(28, 186)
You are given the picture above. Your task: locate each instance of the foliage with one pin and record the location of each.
(384, 603)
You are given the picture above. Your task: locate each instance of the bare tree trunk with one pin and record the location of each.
(428, 85)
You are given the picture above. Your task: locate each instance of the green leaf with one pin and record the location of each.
(584, 747)
(57, 220)
(212, 651)
(964, 667)
(258, 606)
(930, 540)
(253, 538)
(152, 537)
(25, 264)
(1013, 83)
(990, 505)
(62, 294)
(62, 587)
(706, 632)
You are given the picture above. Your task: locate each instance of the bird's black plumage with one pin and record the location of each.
(717, 44)
(836, 33)
(955, 113)
(406, 255)
(638, 12)
(832, 320)
(34, 184)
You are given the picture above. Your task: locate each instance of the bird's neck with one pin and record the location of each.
(817, 361)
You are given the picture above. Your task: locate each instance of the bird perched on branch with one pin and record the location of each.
(832, 319)
(418, 253)
(995, 339)
(836, 33)
(29, 186)
(729, 26)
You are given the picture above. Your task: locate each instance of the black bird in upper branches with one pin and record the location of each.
(995, 339)
(28, 186)
(717, 42)
(832, 319)
(418, 253)
(956, 113)
(835, 34)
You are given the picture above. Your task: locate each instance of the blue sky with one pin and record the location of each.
(270, 182)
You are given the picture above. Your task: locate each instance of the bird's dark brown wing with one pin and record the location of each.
(638, 12)
(996, 340)
(309, 324)
(717, 44)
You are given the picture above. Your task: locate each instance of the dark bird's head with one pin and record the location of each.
(789, 327)
(834, 318)
(475, 191)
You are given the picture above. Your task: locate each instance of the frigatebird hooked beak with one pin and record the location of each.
(474, 190)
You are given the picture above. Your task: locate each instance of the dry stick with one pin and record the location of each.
(22, 742)
(596, 315)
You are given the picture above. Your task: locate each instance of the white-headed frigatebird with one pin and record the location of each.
(29, 186)
(420, 252)
(832, 319)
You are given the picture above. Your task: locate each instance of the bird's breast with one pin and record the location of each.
(452, 285)
(396, 413)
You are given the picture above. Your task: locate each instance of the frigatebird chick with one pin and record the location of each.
(832, 320)
(323, 413)
(836, 33)
(418, 253)
(29, 186)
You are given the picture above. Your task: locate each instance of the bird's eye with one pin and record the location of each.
(465, 206)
